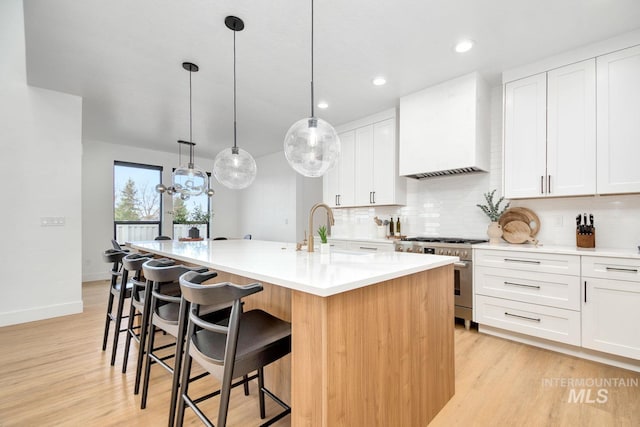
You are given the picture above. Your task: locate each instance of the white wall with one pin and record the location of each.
(40, 137)
(97, 200)
(446, 207)
(276, 205)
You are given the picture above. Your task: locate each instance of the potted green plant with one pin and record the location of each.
(324, 246)
(494, 212)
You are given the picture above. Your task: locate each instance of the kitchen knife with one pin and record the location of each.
(578, 226)
(591, 224)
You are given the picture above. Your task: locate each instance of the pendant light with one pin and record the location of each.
(188, 179)
(311, 145)
(234, 167)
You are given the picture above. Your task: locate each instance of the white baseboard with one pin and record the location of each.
(92, 277)
(584, 353)
(40, 313)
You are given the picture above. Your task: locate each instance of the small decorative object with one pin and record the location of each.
(494, 212)
(324, 246)
(194, 233)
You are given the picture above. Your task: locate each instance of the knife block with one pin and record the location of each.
(586, 240)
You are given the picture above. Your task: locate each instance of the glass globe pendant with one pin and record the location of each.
(188, 180)
(234, 167)
(311, 145)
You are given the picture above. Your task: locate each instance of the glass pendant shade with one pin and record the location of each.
(190, 180)
(234, 168)
(311, 147)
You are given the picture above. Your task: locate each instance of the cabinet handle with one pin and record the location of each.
(522, 285)
(365, 248)
(541, 184)
(625, 270)
(370, 197)
(338, 200)
(524, 261)
(585, 291)
(374, 197)
(548, 184)
(521, 317)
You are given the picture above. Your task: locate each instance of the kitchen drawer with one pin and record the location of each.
(338, 244)
(550, 323)
(553, 290)
(535, 262)
(611, 268)
(370, 247)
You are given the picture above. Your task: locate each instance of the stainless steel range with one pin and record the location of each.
(463, 271)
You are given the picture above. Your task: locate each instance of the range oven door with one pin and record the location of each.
(462, 280)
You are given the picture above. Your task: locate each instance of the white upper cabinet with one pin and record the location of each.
(375, 169)
(571, 130)
(367, 173)
(525, 137)
(549, 133)
(337, 183)
(619, 121)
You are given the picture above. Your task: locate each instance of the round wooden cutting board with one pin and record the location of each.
(519, 225)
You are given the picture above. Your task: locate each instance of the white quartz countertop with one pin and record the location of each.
(280, 263)
(363, 239)
(566, 250)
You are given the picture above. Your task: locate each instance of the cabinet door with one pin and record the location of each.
(364, 166)
(610, 317)
(525, 137)
(384, 162)
(347, 172)
(571, 130)
(337, 183)
(618, 122)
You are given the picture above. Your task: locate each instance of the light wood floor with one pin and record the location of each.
(53, 372)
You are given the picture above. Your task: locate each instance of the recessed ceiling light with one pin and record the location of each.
(464, 46)
(322, 105)
(379, 81)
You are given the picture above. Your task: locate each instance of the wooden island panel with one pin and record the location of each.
(381, 355)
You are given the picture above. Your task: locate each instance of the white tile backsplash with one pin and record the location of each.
(446, 206)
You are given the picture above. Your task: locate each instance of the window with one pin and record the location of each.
(137, 206)
(193, 212)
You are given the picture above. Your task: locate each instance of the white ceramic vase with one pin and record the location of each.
(494, 232)
(325, 248)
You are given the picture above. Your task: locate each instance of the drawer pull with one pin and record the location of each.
(365, 248)
(525, 261)
(624, 270)
(522, 317)
(522, 285)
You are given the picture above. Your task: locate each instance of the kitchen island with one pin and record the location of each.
(372, 333)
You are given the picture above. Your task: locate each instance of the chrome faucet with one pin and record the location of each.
(329, 217)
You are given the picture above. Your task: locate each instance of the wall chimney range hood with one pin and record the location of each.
(444, 129)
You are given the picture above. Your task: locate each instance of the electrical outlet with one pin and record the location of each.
(52, 221)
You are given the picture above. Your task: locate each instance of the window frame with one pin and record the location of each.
(113, 205)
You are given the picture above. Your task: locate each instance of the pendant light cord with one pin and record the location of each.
(234, 91)
(190, 124)
(312, 100)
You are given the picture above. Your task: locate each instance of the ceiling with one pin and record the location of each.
(124, 58)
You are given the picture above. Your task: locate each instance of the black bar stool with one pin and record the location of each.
(164, 309)
(248, 342)
(132, 264)
(119, 288)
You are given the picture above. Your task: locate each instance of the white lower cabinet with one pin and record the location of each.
(611, 305)
(531, 319)
(361, 245)
(536, 294)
